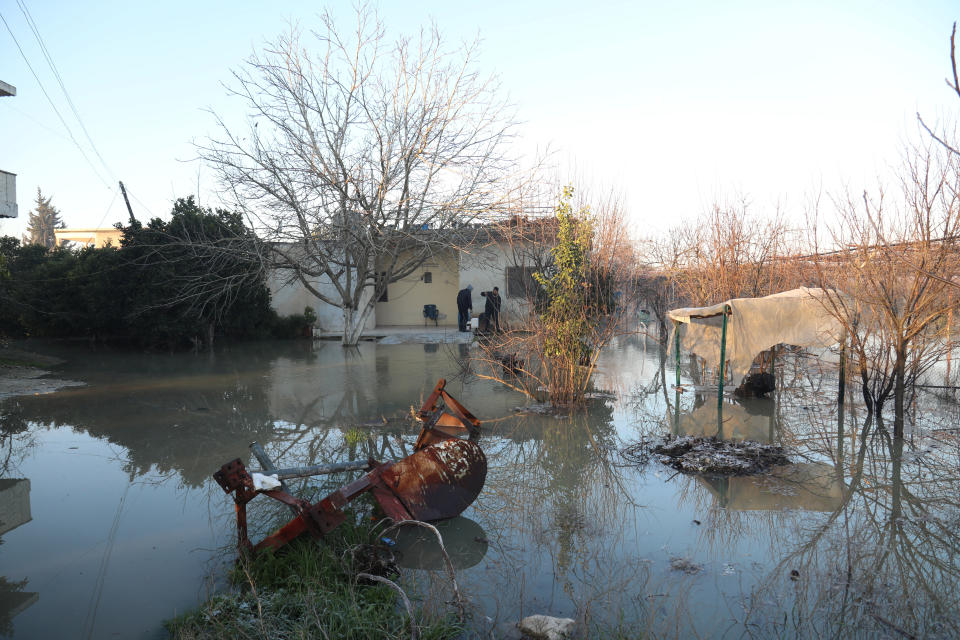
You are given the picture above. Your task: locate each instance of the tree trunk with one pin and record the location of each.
(899, 390)
(353, 321)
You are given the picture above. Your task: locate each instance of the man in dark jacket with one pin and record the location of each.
(492, 308)
(464, 307)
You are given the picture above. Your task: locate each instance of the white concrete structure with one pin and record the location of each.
(8, 194)
(8, 181)
(437, 281)
(491, 266)
(98, 238)
(289, 296)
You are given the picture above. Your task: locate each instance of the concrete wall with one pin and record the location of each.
(8, 181)
(486, 268)
(8, 195)
(291, 298)
(406, 297)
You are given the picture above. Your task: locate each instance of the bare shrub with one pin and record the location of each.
(893, 275)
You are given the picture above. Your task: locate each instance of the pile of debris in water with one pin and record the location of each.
(709, 456)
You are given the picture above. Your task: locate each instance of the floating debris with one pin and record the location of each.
(547, 627)
(686, 565)
(543, 409)
(709, 456)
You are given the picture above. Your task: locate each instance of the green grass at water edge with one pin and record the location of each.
(306, 590)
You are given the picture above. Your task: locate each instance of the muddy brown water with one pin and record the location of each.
(110, 522)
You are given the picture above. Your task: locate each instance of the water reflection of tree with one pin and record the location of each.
(554, 498)
(170, 416)
(16, 438)
(884, 562)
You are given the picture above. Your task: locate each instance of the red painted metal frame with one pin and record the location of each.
(441, 478)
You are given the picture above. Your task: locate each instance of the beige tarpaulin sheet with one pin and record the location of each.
(796, 317)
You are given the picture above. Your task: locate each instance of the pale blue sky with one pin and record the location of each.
(673, 104)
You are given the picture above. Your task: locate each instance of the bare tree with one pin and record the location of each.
(362, 157)
(893, 283)
(953, 83)
(727, 252)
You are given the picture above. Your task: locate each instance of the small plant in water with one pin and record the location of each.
(353, 437)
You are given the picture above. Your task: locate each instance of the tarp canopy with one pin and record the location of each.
(799, 317)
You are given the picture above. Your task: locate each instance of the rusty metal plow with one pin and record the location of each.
(441, 478)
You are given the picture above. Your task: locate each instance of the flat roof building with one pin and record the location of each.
(8, 181)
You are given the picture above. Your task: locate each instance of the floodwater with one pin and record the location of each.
(110, 522)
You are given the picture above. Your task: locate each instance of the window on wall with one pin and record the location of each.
(427, 277)
(520, 282)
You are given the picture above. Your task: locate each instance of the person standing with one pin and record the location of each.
(464, 307)
(492, 308)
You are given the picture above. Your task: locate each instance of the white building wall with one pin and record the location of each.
(8, 195)
(485, 269)
(8, 181)
(290, 298)
(407, 297)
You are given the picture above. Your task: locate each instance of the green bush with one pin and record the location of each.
(169, 285)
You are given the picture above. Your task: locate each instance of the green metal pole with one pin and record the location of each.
(676, 393)
(676, 348)
(723, 359)
(676, 412)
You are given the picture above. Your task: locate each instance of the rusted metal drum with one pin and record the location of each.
(439, 481)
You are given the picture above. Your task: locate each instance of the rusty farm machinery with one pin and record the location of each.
(442, 477)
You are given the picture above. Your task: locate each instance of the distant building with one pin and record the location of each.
(505, 257)
(89, 237)
(8, 181)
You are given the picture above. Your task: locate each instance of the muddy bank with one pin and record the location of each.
(709, 456)
(24, 373)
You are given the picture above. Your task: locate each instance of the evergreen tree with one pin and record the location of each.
(43, 220)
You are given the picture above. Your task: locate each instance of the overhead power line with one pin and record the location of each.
(54, 106)
(56, 74)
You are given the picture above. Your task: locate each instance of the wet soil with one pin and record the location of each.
(709, 456)
(23, 373)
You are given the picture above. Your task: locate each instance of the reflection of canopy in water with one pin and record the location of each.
(798, 317)
(812, 486)
(750, 419)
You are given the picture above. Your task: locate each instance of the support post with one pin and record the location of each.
(843, 369)
(123, 190)
(676, 347)
(316, 470)
(723, 372)
(723, 356)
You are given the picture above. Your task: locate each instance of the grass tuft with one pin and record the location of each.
(308, 590)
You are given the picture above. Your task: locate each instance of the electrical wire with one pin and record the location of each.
(137, 200)
(53, 106)
(56, 74)
(6, 104)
